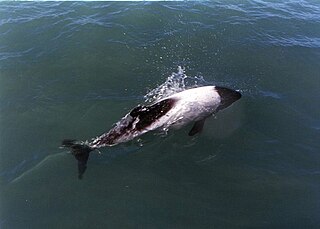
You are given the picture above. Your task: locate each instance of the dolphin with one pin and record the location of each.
(173, 112)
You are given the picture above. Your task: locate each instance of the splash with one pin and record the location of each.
(176, 82)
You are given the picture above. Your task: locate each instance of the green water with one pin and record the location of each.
(71, 70)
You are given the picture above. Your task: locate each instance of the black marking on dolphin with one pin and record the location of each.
(149, 114)
(141, 116)
(144, 118)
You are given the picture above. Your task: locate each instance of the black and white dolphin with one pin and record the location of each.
(175, 111)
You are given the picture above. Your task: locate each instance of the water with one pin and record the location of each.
(71, 70)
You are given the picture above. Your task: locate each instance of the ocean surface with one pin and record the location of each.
(73, 69)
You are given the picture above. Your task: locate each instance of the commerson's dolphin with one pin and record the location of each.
(175, 111)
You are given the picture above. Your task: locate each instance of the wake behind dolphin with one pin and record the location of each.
(171, 112)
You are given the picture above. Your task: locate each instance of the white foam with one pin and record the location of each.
(176, 82)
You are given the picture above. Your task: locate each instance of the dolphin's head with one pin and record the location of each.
(227, 97)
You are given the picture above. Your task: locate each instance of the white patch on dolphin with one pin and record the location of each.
(175, 111)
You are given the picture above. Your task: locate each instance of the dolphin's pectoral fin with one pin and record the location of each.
(197, 127)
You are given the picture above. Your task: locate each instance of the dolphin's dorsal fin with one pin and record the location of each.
(197, 127)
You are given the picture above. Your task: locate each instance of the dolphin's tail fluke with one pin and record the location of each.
(80, 150)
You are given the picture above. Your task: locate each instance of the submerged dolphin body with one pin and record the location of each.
(175, 111)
